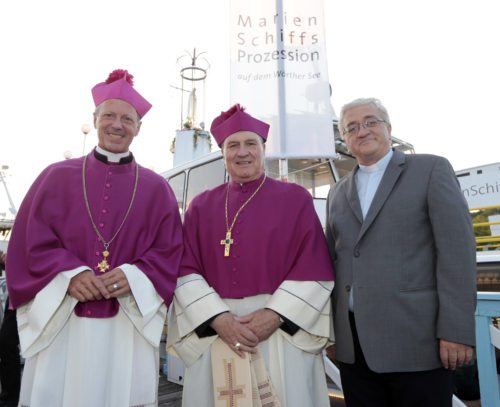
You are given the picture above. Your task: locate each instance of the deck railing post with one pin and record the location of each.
(488, 306)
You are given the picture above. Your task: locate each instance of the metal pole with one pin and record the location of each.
(85, 130)
(12, 208)
(84, 141)
(283, 162)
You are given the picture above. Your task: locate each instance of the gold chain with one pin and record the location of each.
(103, 266)
(228, 240)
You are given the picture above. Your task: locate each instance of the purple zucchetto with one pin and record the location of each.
(119, 85)
(234, 120)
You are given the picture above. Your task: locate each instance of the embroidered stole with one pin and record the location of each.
(240, 382)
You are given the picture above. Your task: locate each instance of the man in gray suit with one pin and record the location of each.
(403, 248)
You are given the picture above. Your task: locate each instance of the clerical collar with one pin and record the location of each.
(380, 165)
(114, 158)
(248, 186)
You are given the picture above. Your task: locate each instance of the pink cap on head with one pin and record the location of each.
(119, 85)
(234, 120)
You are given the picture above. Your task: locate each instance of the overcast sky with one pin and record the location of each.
(433, 63)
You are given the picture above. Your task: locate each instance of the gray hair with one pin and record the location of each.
(364, 101)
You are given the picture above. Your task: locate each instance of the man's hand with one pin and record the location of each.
(263, 322)
(330, 351)
(233, 332)
(116, 282)
(85, 286)
(454, 354)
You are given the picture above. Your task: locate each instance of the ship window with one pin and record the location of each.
(177, 184)
(204, 177)
(314, 175)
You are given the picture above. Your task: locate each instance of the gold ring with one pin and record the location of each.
(237, 345)
(115, 286)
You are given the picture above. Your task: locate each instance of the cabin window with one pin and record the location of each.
(203, 177)
(177, 184)
(314, 175)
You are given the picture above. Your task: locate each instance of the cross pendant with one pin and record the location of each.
(227, 242)
(103, 265)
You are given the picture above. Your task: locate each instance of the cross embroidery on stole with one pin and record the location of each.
(230, 392)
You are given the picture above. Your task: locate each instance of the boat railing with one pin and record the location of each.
(485, 220)
(487, 340)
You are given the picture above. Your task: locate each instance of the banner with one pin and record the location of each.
(480, 185)
(279, 73)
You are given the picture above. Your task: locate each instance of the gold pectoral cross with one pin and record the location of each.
(227, 242)
(103, 265)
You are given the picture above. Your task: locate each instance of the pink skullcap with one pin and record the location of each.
(119, 85)
(234, 120)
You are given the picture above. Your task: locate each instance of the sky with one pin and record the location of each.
(433, 63)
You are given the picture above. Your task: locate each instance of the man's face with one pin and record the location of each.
(370, 144)
(117, 123)
(244, 156)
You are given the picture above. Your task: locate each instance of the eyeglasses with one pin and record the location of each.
(354, 128)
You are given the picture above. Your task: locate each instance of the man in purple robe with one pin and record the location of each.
(92, 265)
(251, 309)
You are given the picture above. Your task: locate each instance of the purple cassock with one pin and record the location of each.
(53, 232)
(277, 237)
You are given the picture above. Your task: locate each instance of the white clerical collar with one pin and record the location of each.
(380, 165)
(112, 157)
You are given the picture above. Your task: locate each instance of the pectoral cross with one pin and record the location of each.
(103, 265)
(227, 242)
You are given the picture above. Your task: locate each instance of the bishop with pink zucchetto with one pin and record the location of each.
(252, 303)
(92, 265)
(234, 120)
(120, 85)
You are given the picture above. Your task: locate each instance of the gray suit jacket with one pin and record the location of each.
(411, 261)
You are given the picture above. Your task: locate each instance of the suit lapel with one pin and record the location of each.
(352, 195)
(391, 175)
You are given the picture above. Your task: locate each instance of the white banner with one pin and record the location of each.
(481, 185)
(279, 73)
